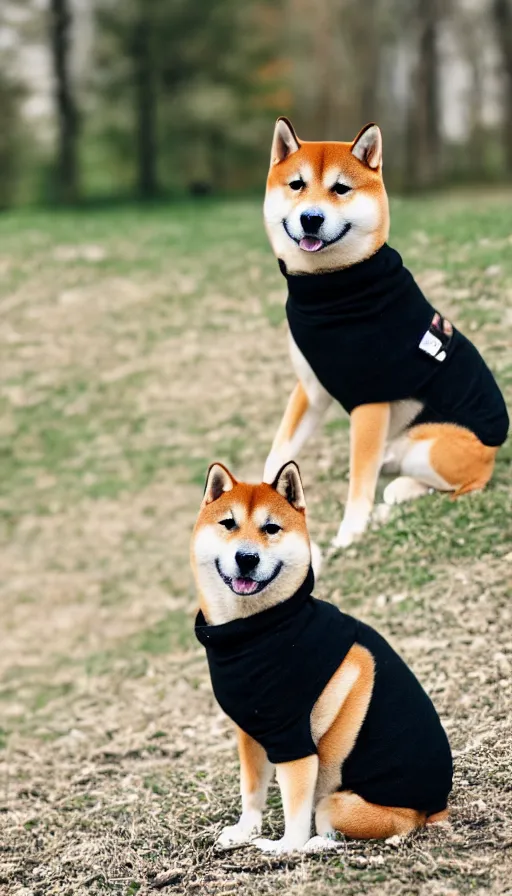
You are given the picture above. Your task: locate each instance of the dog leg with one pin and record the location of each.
(404, 488)
(301, 418)
(444, 457)
(297, 781)
(369, 426)
(355, 817)
(345, 811)
(255, 775)
(343, 705)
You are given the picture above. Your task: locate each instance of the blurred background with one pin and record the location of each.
(142, 336)
(110, 99)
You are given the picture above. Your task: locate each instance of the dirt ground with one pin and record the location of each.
(137, 347)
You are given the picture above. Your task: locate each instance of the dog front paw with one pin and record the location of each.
(320, 844)
(276, 847)
(237, 835)
(344, 540)
(353, 525)
(347, 535)
(404, 488)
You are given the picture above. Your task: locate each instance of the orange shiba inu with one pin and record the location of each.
(421, 400)
(316, 695)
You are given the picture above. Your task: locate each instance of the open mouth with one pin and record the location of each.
(245, 585)
(314, 243)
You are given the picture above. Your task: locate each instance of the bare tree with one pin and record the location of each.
(67, 115)
(502, 13)
(366, 37)
(145, 99)
(424, 138)
(335, 49)
(471, 23)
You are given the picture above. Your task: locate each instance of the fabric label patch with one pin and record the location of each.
(430, 344)
(436, 340)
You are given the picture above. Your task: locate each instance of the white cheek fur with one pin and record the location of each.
(276, 206)
(360, 210)
(365, 214)
(291, 550)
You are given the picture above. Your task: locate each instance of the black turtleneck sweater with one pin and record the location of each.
(367, 332)
(268, 671)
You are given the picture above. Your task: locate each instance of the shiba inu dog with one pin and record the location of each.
(315, 694)
(421, 400)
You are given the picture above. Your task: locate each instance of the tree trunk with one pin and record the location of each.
(67, 115)
(365, 41)
(322, 111)
(502, 11)
(424, 141)
(145, 103)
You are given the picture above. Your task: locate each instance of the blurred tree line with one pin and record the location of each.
(173, 96)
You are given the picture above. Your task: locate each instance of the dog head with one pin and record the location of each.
(325, 206)
(250, 545)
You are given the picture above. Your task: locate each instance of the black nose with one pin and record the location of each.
(246, 562)
(312, 221)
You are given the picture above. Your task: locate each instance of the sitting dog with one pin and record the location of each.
(312, 691)
(422, 402)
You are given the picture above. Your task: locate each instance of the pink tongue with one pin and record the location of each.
(244, 586)
(310, 244)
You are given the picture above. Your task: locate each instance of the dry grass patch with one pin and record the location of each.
(136, 348)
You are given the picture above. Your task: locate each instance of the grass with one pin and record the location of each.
(137, 346)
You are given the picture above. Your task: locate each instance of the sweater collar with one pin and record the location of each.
(366, 280)
(244, 630)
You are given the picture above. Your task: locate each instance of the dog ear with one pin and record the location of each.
(289, 484)
(284, 142)
(218, 481)
(367, 147)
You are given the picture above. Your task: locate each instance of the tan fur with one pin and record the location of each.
(253, 763)
(297, 782)
(457, 455)
(250, 497)
(344, 702)
(337, 741)
(338, 715)
(253, 501)
(346, 812)
(369, 425)
(298, 404)
(354, 817)
(438, 817)
(339, 712)
(455, 461)
(321, 158)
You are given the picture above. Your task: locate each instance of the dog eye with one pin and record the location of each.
(297, 184)
(228, 524)
(341, 189)
(271, 529)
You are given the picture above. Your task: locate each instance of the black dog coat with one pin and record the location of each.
(268, 671)
(370, 335)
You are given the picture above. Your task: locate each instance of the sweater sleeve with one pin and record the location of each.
(291, 743)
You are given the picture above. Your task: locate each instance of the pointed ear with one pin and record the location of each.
(218, 481)
(284, 142)
(289, 484)
(367, 147)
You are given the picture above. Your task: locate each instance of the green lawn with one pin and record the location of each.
(138, 345)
